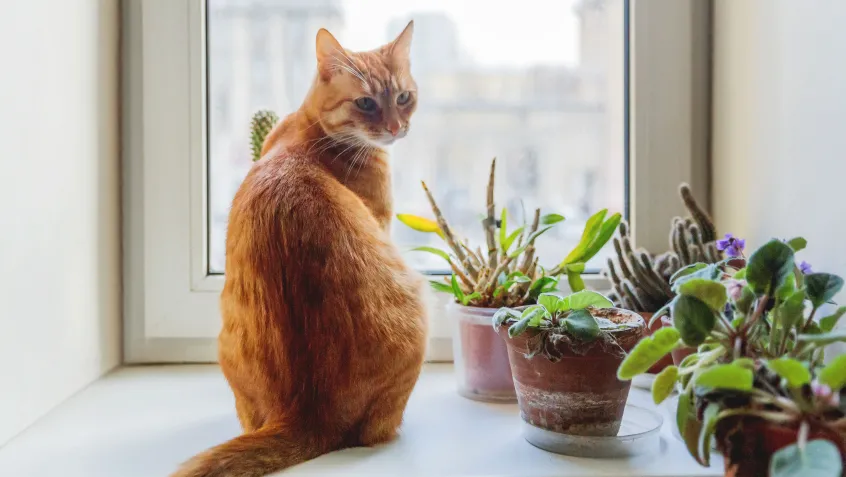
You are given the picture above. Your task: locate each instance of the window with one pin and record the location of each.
(587, 104)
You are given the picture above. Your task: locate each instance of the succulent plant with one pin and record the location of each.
(260, 126)
(641, 280)
(507, 273)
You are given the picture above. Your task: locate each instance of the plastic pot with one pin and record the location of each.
(578, 394)
(481, 357)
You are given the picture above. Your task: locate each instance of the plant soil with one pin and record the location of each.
(579, 394)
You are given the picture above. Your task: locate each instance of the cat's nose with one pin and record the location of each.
(394, 128)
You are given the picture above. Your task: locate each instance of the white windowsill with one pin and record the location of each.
(143, 421)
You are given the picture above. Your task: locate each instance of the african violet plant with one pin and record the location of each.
(759, 359)
(565, 317)
(507, 272)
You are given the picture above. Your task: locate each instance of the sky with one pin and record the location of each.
(514, 33)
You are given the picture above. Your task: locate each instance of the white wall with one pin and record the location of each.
(59, 203)
(779, 133)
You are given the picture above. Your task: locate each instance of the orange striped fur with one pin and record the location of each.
(324, 327)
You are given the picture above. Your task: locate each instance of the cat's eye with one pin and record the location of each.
(403, 97)
(366, 104)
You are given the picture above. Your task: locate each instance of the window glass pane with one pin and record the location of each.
(539, 84)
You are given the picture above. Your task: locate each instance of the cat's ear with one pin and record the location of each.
(328, 47)
(400, 48)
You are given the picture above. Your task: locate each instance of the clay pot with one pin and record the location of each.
(480, 356)
(678, 354)
(580, 393)
(748, 444)
(666, 360)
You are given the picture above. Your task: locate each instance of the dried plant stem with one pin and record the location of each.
(470, 284)
(448, 235)
(489, 288)
(490, 222)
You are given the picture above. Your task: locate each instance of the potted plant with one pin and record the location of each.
(564, 354)
(757, 384)
(641, 281)
(505, 274)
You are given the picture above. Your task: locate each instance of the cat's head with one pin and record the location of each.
(365, 96)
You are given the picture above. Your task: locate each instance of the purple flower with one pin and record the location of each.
(825, 394)
(735, 288)
(805, 267)
(731, 245)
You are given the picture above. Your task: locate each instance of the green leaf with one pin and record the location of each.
(709, 292)
(518, 277)
(708, 272)
(516, 253)
(467, 299)
(549, 301)
(541, 285)
(820, 458)
(794, 372)
(684, 271)
(792, 310)
(822, 339)
(531, 318)
(584, 299)
(503, 228)
(797, 243)
(744, 303)
(606, 231)
(590, 232)
(433, 250)
(834, 374)
(706, 434)
(550, 219)
(693, 319)
(441, 287)
(574, 279)
(663, 311)
(647, 352)
(829, 322)
(740, 274)
(821, 287)
(726, 376)
(769, 267)
(505, 314)
(582, 325)
(787, 287)
(511, 238)
(578, 267)
(689, 426)
(456, 290)
(664, 383)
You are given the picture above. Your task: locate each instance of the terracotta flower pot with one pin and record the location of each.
(480, 356)
(678, 354)
(749, 443)
(580, 393)
(666, 360)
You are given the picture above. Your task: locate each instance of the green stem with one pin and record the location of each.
(810, 319)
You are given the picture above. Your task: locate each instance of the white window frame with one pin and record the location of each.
(170, 302)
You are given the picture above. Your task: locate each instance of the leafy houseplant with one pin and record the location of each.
(564, 353)
(505, 274)
(641, 281)
(757, 383)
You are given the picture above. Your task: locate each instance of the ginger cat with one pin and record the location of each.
(324, 327)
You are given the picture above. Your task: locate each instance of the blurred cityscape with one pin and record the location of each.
(556, 127)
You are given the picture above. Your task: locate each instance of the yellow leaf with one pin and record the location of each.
(420, 224)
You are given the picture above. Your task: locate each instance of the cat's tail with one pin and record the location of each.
(255, 454)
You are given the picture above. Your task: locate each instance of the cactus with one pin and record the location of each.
(261, 125)
(640, 280)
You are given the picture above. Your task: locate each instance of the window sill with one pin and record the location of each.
(144, 421)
